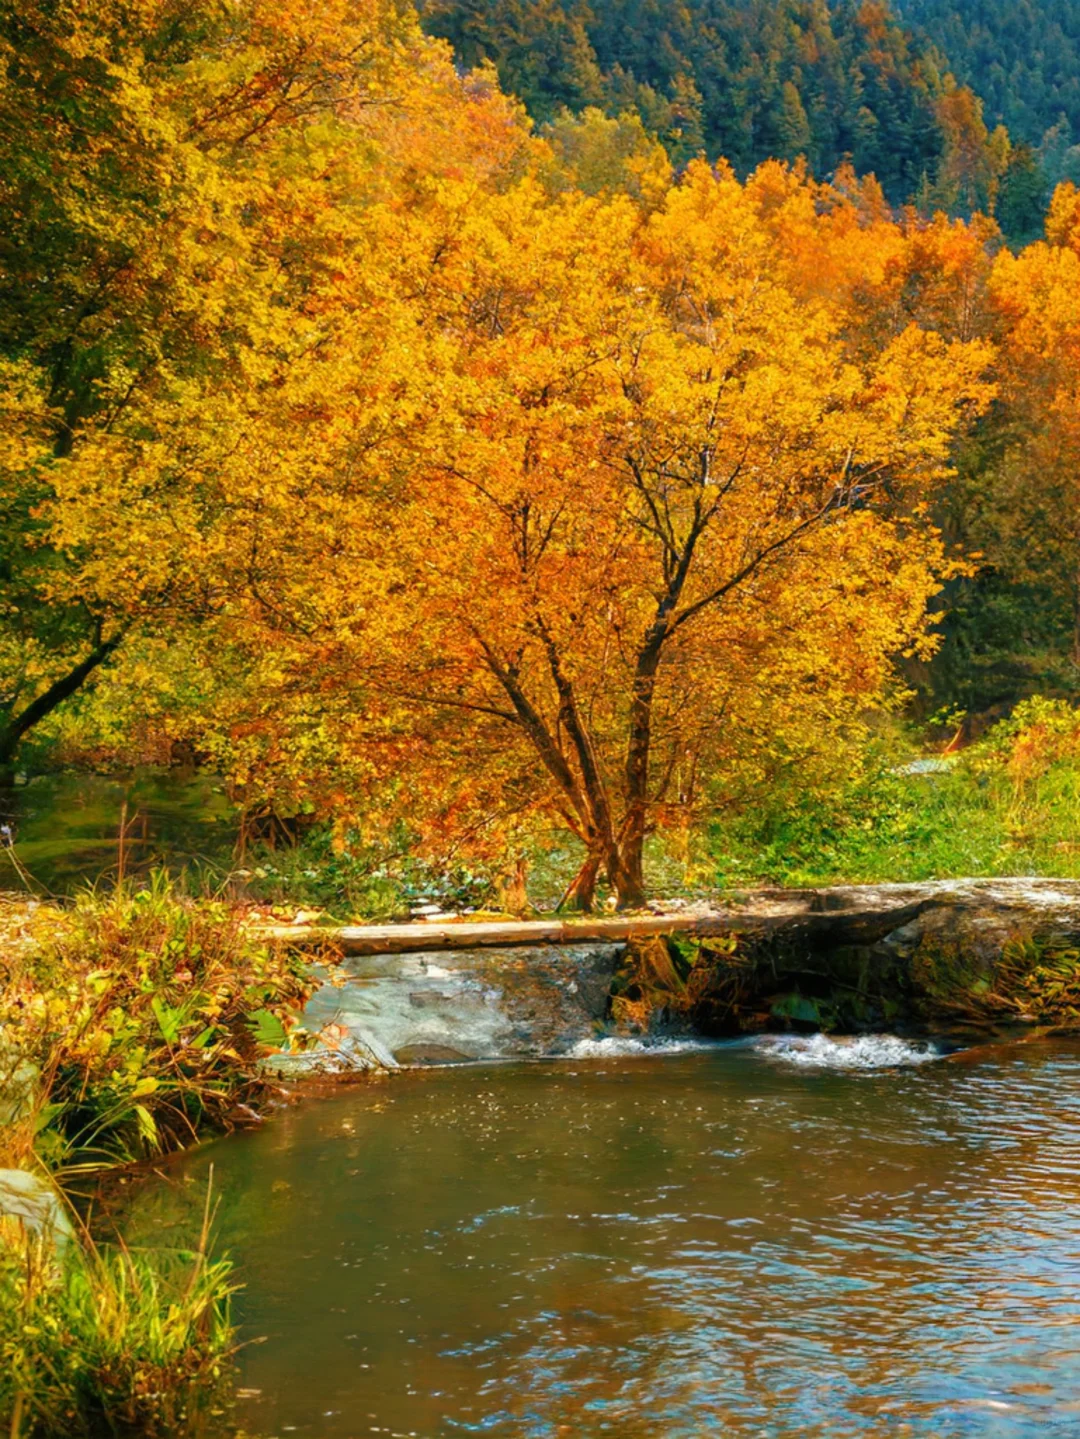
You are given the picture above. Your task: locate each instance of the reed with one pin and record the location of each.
(99, 1340)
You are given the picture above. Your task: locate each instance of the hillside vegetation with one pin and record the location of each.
(752, 80)
(1022, 57)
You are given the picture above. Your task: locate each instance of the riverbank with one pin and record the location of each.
(131, 1024)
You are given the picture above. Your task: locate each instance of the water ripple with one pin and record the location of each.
(798, 1240)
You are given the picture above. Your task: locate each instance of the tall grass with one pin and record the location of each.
(102, 1341)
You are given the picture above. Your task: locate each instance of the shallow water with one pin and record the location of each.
(67, 826)
(733, 1241)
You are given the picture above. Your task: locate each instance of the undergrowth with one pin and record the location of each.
(144, 1013)
(131, 1023)
(101, 1341)
(1008, 805)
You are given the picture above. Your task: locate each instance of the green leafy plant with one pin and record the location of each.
(145, 1013)
(1009, 804)
(101, 1340)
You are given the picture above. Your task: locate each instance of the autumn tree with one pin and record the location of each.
(476, 500)
(658, 508)
(160, 166)
(1034, 501)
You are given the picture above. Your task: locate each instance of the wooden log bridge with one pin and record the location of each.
(818, 916)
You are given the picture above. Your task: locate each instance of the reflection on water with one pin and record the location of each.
(73, 829)
(712, 1243)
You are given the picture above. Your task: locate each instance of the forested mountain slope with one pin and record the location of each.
(1023, 58)
(746, 79)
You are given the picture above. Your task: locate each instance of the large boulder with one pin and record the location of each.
(391, 1010)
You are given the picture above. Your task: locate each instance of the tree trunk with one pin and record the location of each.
(581, 895)
(21, 724)
(7, 800)
(625, 872)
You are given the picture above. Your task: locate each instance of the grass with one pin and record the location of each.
(131, 1023)
(102, 1341)
(1009, 805)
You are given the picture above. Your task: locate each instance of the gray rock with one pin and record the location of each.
(393, 1010)
(31, 1200)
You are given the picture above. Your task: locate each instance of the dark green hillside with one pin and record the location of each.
(748, 80)
(1023, 58)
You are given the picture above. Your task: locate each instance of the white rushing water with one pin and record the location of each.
(806, 1051)
(863, 1051)
(617, 1046)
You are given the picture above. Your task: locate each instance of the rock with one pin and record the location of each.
(35, 1204)
(947, 953)
(414, 1054)
(406, 1009)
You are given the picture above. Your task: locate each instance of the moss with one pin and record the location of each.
(1034, 980)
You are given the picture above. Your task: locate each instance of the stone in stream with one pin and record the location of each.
(35, 1205)
(390, 1010)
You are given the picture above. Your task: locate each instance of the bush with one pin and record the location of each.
(144, 1013)
(344, 876)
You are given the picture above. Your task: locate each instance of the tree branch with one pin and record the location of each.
(55, 695)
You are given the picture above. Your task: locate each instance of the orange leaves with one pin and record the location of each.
(1063, 219)
(652, 504)
(495, 498)
(1037, 295)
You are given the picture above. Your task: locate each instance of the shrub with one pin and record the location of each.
(145, 1013)
(1009, 804)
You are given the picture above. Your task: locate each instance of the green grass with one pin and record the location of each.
(1007, 806)
(100, 1341)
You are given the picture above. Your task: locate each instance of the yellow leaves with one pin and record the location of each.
(1063, 217)
(924, 386)
(418, 416)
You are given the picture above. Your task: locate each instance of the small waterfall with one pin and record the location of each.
(392, 1010)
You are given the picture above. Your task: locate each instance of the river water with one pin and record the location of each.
(773, 1238)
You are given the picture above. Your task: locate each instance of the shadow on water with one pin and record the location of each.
(75, 829)
(716, 1243)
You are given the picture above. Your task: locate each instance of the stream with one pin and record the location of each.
(776, 1237)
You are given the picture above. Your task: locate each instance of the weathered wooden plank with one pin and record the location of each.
(837, 926)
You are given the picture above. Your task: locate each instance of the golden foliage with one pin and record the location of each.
(499, 478)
